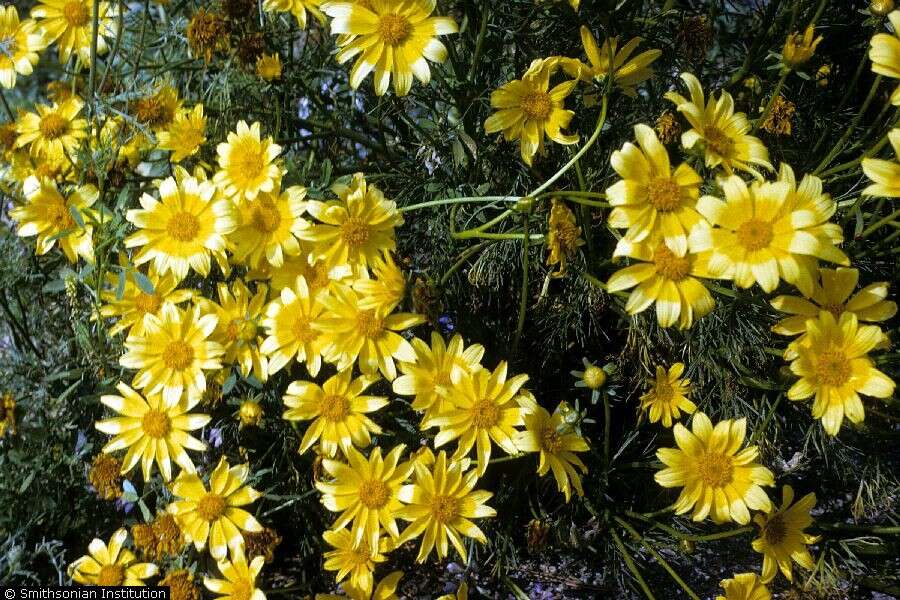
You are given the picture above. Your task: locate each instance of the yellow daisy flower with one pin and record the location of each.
(744, 586)
(627, 72)
(151, 431)
(385, 590)
(440, 505)
(298, 8)
(268, 226)
(357, 561)
(651, 199)
(557, 443)
(527, 109)
(249, 413)
(8, 415)
(366, 492)
(592, 378)
(717, 478)
(215, 515)
(185, 134)
(172, 352)
(781, 536)
(337, 410)
(884, 52)
(179, 231)
(885, 174)
(392, 38)
(833, 365)
(668, 396)
(239, 581)
(268, 67)
(290, 323)
(248, 164)
(485, 407)
(111, 564)
(721, 132)
(385, 289)
(129, 309)
(239, 314)
(317, 273)
(69, 23)
(53, 129)
(22, 40)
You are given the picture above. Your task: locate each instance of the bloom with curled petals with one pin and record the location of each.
(21, 42)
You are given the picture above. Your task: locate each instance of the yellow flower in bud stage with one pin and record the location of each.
(69, 23)
(592, 378)
(298, 8)
(881, 8)
(781, 536)
(717, 478)
(248, 164)
(885, 174)
(185, 134)
(20, 42)
(385, 290)
(434, 372)
(52, 129)
(317, 273)
(798, 49)
(268, 227)
(557, 443)
(392, 38)
(183, 228)
(385, 590)
(290, 323)
(129, 310)
(357, 561)
(833, 365)
(527, 110)
(152, 431)
(239, 581)
(111, 564)
(214, 515)
(720, 132)
(366, 492)
(172, 353)
(744, 586)
(668, 396)
(268, 67)
(239, 315)
(7, 415)
(356, 229)
(563, 236)
(484, 407)
(250, 413)
(609, 60)
(884, 51)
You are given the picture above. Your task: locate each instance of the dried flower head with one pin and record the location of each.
(207, 33)
(106, 476)
(694, 37)
(778, 121)
(563, 236)
(181, 585)
(667, 128)
(262, 543)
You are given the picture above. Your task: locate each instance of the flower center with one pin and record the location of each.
(354, 232)
(241, 329)
(664, 391)
(335, 407)
(302, 331)
(374, 494)
(369, 324)
(183, 226)
(241, 590)
(155, 424)
(774, 531)
(444, 508)
(442, 378)
(110, 575)
(835, 309)
(485, 414)
(594, 377)
(717, 141)
(833, 368)
(53, 126)
(147, 303)
(536, 105)
(664, 194)
(178, 355)
(58, 214)
(715, 469)
(248, 160)
(211, 507)
(755, 234)
(76, 13)
(670, 265)
(265, 216)
(551, 441)
(394, 29)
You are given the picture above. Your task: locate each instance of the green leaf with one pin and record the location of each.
(76, 214)
(26, 483)
(144, 283)
(57, 285)
(120, 286)
(229, 384)
(145, 512)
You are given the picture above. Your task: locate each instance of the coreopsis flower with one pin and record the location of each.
(184, 136)
(248, 163)
(778, 120)
(214, 516)
(69, 23)
(105, 476)
(484, 407)
(744, 586)
(151, 431)
(798, 49)
(718, 130)
(298, 8)
(51, 217)
(884, 51)
(436, 369)
(440, 505)
(781, 536)
(53, 129)
(129, 304)
(357, 229)
(885, 174)
(239, 313)
(111, 564)
(668, 396)
(563, 236)
(393, 38)
(181, 585)
(527, 110)
(337, 411)
(22, 40)
(268, 227)
(609, 60)
(207, 33)
(366, 492)
(290, 324)
(651, 199)
(663, 277)
(759, 236)
(834, 367)
(158, 110)
(553, 437)
(592, 378)
(386, 589)
(717, 478)
(172, 353)
(356, 560)
(385, 289)
(268, 67)
(239, 581)
(183, 228)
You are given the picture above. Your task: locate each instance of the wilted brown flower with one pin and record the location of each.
(563, 236)
(239, 10)
(667, 128)
(537, 535)
(426, 298)
(106, 476)
(778, 121)
(207, 33)
(262, 543)
(694, 37)
(250, 47)
(159, 539)
(181, 585)
(158, 109)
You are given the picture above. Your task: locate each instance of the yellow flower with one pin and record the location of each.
(357, 561)
(185, 134)
(53, 129)
(7, 415)
(152, 431)
(744, 586)
(180, 230)
(651, 199)
(557, 443)
(485, 407)
(134, 303)
(563, 236)
(435, 370)
(172, 352)
(50, 216)
(158, 110)
(627, 72)
(239, 315)
(351, 333)
(833, 365)
(111, 564)
(716, 478)
(289, 322)
(386, 290)
(668, 396)
(760, 237)
(884, 51)
(781, 536)
(366, 492)
(440, 505)
(798, 49)
(69, 23)
(239, 581)
(337, 411)
(356, 229)
(215, 514)
(268, 226)
(385, 590)
(268, 67)
(527, 109)
(885, 174)
(721, 132)
(21, 42)
(592, 378)
(250, 413)
(392, 38)
(881, 8)
(298, 8)
(248, 164)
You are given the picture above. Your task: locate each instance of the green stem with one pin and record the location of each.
(629, 562)
(479, 43)
(606, 427)
(523, 293)
(849, 131)
(771, 102)
(464, 256)
(765, 422)
(662, 561)
(880, 223)
(462, 200)
(719, 535)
